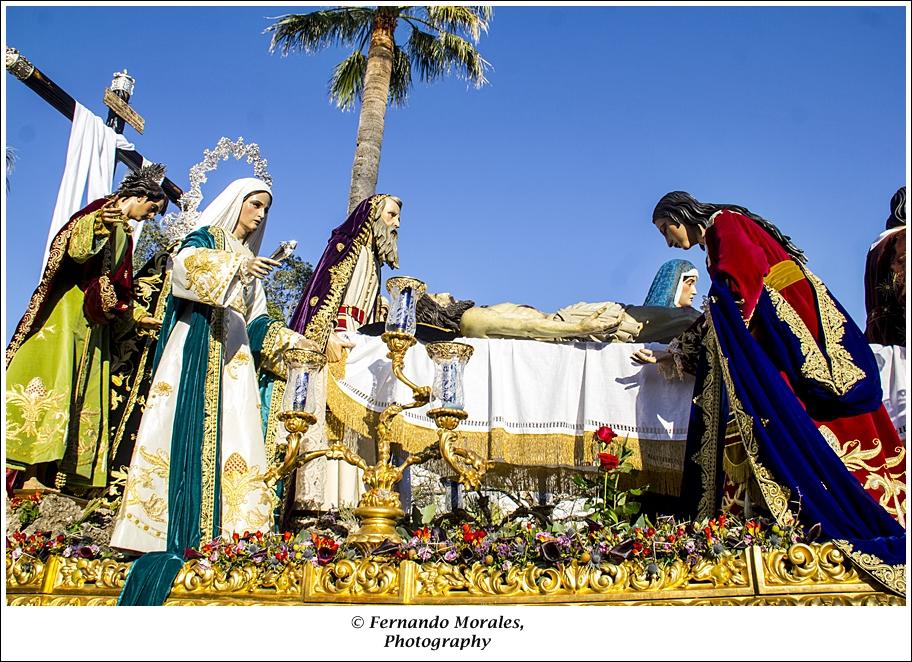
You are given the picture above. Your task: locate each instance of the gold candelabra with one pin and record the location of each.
(379, 508)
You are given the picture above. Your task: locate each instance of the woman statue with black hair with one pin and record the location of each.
(788, 395)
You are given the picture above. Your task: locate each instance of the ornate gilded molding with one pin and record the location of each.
(364, 578)
(196, 580)
(24, 575)
(101, 573)
(815, 574)
(806, 566)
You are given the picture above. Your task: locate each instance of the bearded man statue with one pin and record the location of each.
(342, 296)
(344, 292)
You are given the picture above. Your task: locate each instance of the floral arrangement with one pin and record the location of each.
(608, 504)
(605, 533)
(270, 550)
(42, 544)
(521, 542)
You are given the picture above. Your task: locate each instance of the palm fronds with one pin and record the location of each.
(347, 83)
(320, 29)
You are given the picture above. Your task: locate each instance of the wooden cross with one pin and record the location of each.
(117, 99)
(48, 90)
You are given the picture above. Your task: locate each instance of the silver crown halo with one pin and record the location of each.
(177, 226)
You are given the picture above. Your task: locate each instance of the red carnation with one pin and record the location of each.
(605, 434)
(608, 461)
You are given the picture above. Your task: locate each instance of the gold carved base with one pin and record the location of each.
(813, 575)
(378, 524)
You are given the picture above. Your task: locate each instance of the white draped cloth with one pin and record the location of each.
(89, 163)
(536, 404)
(894, 378)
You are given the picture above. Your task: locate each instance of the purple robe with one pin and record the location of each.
(317, 311)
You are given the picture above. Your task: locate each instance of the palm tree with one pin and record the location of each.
(434, 48)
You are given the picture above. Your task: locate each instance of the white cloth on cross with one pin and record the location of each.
(90, 162)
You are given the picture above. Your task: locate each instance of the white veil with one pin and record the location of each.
(223, 212)
(677, 295)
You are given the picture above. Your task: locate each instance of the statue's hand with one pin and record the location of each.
(335, 348)
(148, 323)
(259, 267)
(600, 322)
(645, 355)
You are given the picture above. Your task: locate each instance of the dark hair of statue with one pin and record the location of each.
(144, 182)
(447, 317)
(681, 207)
(897, 217)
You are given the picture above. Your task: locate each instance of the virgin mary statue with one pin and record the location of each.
(197, 467)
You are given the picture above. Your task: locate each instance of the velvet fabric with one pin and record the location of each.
(340, 245)
(789, 444)
(152, 575)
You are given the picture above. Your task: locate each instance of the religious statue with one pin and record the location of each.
(343, 295)
(344, 291)
(198, 467)
(885, 279)
(600, 322)
(787, 396)
(58, 361)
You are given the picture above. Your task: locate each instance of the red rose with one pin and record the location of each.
(608, 461)
(605, 434)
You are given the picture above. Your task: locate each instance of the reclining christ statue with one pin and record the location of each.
(602, 322)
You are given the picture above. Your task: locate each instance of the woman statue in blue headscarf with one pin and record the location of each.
(667, 310)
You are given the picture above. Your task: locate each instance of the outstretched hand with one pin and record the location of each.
(111, 215)
(148, 323)
(645, 355)
(260, 267)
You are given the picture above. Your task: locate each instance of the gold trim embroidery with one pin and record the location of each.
(161, 304)
(840, 373)
(710, 402)
(892, 577)
(34, 400)
(107, 294)
(82, 244)
(238, 361)
(272, 420)
(144, 473)
(323, 322)
(210, 272)
(877, 477)
(239, 483)
(211, 418)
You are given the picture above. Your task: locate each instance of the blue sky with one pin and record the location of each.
(537, 188)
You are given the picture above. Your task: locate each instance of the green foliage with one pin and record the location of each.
(609, 504)
(441, 41)
(28, 512)
(285, 285)
(152, 240)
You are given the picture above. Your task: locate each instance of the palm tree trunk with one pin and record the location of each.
(373, 107)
